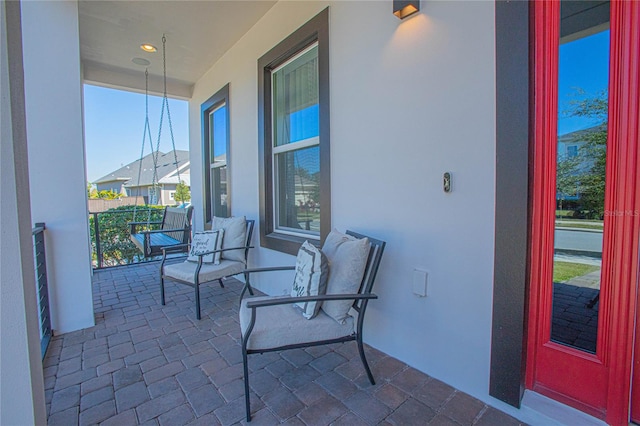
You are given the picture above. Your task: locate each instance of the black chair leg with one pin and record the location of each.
(197, 287)
(161, 288)
(364, 360)
(247, 401)
(220, 282)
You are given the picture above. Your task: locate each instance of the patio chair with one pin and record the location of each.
(271, 323)
(196, 271)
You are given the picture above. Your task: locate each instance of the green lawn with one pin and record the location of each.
(586, 225)
(564, 271)
(561, 214)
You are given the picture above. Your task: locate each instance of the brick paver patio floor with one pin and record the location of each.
(144, 363)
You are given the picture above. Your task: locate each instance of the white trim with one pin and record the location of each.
(539, 409)
(293, 58)
(305, 143)
(309, 234)
(222, 104)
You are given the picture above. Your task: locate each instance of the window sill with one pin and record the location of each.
(284, 243)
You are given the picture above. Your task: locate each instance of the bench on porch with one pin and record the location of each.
(174, 229)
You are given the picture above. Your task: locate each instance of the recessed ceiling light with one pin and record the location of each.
(140, 61)
(148, 47)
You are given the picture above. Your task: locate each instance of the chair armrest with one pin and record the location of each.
(270, 269)
(322, 297)
(247, 273)
(170, 249)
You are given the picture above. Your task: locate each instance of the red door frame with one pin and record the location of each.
(624, 134)
(598, 384)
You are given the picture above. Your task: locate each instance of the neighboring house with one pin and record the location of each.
(569, 149)
(569, 144)
(468, 88)
(125, 180)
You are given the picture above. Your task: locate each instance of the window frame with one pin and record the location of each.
(207, 108)
(315, 30)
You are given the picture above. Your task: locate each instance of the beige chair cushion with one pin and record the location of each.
(347, 260)
(282, 325)
(184, 271)
(235, 235)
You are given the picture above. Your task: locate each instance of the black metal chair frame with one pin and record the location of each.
(196, 276)
(148, 247)
(360, 301)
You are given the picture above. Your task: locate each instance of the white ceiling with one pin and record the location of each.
(198, 33)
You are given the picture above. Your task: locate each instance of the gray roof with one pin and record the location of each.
(166, 167)
(580, 135)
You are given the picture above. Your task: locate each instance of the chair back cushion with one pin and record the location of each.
(206, 241)
(235, 234)
(347, 257)
(312, 270)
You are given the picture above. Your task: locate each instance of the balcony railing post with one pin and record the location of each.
(96, 230)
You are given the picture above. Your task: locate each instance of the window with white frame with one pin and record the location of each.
(295, 191)
(295, 151)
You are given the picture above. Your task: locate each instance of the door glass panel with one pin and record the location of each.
(582, 134)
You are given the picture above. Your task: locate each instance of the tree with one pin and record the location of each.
(108, 194)
(182, 193)
(91, 190)
(584, 174)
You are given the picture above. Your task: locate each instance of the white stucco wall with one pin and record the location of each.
(410, 100)
(56, 156)
(22, 400)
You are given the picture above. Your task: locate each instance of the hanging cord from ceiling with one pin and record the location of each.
(146, 131)
(165, 105)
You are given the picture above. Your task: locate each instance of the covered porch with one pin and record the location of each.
(442, 95)
(144, 363)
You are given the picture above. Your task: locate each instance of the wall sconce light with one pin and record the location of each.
(405, 8)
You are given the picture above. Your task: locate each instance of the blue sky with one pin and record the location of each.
(584, 64)
(114, 125)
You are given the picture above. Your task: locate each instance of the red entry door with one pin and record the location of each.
(585, 205)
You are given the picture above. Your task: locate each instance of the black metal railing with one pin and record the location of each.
(110, 236)
(40, 262)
